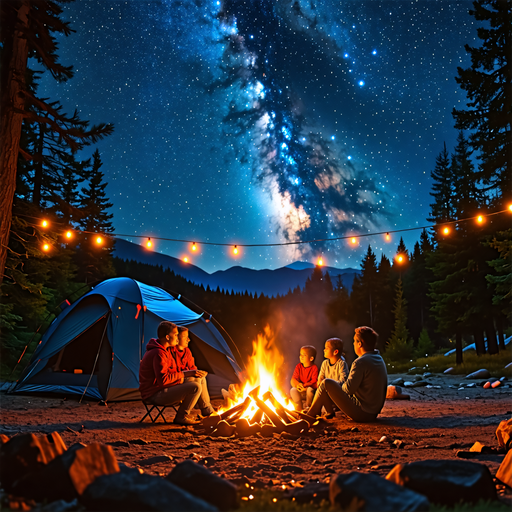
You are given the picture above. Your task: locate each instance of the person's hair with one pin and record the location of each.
(336, 344)
(165, 328)
(367, 336)
(310, 351)
(182, 328)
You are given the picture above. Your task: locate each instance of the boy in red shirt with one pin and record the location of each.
(304, 378)
(187, 365)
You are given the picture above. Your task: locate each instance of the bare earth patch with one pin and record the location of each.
(434, 424)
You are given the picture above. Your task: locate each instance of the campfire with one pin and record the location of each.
(257, 405)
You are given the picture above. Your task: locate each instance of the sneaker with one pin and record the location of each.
(185, 420)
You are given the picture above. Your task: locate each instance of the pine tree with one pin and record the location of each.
(95, 260)
(364, 290)
(488, 86)
(425, 346)
(399, 346)
(442, 209)
(29, 27)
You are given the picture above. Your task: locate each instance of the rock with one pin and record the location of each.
(480, 448)
(289, 468)
(416, 384)
(131, 492)
(68, 475)
(504, 473)
(450, 370)
(3, 439)
(509, 365)
(504, 434)
(201, 482)
(27, 453)
(427, 374)
(397, 382)
(446, 482)
(310, 493)
(471, 385)
(496, 384)
(395, 393)
(479, 374)
(384, 439)
(464, 454)
(398, 443)
(408, 384)
(369, 492)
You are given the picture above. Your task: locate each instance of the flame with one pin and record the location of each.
(262, 370)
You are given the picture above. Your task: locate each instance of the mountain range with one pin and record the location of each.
(237, 279)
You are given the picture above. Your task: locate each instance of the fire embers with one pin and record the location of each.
(269, 417)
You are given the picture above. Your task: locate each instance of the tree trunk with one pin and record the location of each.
(479, 341)
(13, 104)
(501, 332)
(458, 346)
(38, 169)
(492, 342)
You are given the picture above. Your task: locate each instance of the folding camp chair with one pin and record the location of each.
(150, 408)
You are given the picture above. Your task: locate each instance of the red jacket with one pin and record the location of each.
(307, 376)
(184, 359)
(158, 370)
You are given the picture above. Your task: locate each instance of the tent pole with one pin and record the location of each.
(96, 360)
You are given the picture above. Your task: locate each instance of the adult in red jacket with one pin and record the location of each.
(160, 380)
(187, 365)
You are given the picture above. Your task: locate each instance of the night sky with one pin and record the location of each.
(266, 121)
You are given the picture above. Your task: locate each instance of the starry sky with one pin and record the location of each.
(267, 121)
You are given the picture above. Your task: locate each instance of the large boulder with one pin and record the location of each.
(370, 492)
(479, 374)
(446, 482)
(201, 482)
(26, 453)
(132, 492)
(67, 476)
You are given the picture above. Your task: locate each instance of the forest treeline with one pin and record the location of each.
(452, 285)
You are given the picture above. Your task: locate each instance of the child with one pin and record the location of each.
(362, 395)
(333, 367)
(186, 364)
(304, 378)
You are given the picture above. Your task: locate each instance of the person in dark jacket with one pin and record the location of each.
(160, 380)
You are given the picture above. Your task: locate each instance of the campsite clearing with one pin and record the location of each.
(435, 424)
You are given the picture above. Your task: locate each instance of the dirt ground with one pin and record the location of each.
(434, 424)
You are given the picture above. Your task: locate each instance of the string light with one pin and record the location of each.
(69, 234)
(46, 247)
(510, 207)
(149, 243)
(45, 223)
(235, 249)
(480, 219)
(99, 240)
(388, 237)
(194, 246)
(353, 240)
(185, 259)
(400, 258)
(446, 230)
(320, 262)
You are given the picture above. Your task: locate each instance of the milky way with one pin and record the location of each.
(268, 121)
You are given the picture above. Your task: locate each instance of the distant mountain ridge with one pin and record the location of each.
(237, 279)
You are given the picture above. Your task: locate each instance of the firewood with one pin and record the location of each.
(230, 412)
(286, 415)
(257, 417)
(276, 420)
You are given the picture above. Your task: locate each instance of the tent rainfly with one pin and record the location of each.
(94, 347)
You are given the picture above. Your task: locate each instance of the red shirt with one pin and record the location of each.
(184, 359)
(307, 376)
(158, 370)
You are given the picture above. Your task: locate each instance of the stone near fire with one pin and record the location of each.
(3, 439)
(397, 382)
(450, 370)
(446, 481)
(504, 473)
(396, 393)
(211, 421)
(478, 447)
(27, 453)
(132, 492)
(268, 430)
(223, 429)
(201, 482)
(369, 492)
(479, 374)
(68, 475)
(504, 434)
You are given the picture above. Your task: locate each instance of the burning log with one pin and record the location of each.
(287, 416)
(224, 429)
(258, 415)
(244, 428)
(273, 417)
(227, 415)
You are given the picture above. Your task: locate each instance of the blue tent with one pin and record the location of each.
(94, 346)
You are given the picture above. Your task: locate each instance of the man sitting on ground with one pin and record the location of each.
(187, 365)
(161, 382)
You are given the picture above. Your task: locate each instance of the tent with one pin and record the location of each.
(94, 347)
